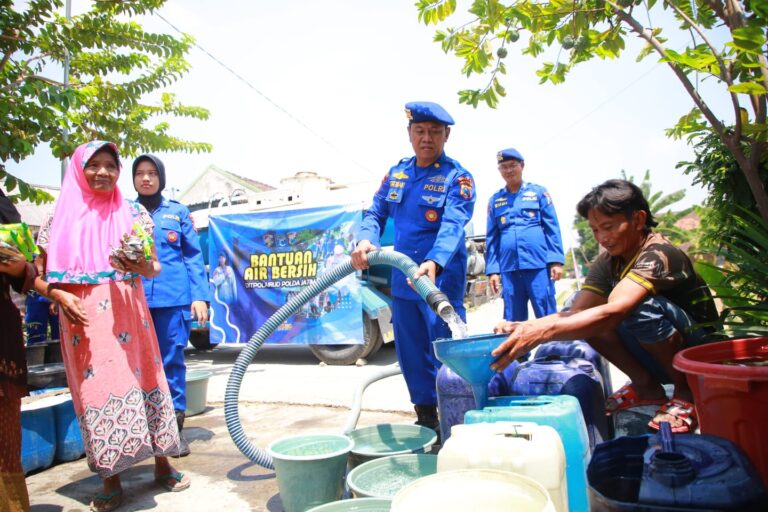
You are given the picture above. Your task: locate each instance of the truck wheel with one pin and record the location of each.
(200, 339)
(341, 355)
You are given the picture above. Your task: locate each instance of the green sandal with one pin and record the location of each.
(107, 502)
(173, 482)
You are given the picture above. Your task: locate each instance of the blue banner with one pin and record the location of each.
(260, 260)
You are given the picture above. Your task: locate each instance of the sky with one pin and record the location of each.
(322, 86)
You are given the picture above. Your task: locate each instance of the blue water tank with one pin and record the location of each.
(38, 436)
(69, 440)
(694, 473)
(563, 413)
(567, 376)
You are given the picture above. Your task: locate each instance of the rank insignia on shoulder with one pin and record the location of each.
(430, 215)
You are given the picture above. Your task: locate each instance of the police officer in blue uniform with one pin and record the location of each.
(524, 252)
(180, 291)
(431, 198)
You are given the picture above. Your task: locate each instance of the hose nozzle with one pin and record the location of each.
(440, 304)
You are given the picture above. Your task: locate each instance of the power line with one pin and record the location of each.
(268, 99)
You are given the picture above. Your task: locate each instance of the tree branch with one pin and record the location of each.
(724, 73)
(656, 44)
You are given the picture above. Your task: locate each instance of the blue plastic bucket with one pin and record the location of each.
(310, 469)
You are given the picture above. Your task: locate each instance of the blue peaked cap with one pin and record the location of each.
(425, 111)
(509, 154)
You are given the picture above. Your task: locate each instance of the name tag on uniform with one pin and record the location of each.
(530, 196)
(171, 216)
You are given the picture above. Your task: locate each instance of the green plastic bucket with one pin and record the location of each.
(197, 392)
(356, 505)
(310, 469)
(389, 439)
(383, 477)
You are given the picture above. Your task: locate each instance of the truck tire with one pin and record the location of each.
(200, 339)
(342, 355)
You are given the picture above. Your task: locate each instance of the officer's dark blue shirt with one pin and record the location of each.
(522, 231)
(430, 207)
(182, 279)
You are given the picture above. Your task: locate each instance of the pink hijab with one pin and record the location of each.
(85, 224)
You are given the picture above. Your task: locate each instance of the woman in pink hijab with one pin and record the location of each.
(108, 342)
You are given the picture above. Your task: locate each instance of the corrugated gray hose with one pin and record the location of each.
(436, 299)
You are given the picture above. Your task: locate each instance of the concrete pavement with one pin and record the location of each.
(284, 392)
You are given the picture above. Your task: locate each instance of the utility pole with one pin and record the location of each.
(65, 134)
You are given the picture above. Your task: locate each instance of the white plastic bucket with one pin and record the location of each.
(461, 490)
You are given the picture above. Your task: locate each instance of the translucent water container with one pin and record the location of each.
(525, 448)
(561, 412)
(455, 396)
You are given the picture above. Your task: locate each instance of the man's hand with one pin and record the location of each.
(71, 306)
(360, 254)
(555, 271)
(523, 337)
(199, 311)
(494, 280)
(428, 268)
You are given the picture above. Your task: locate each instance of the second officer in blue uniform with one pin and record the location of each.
(180, 291)
(524, 251)
(431, 198)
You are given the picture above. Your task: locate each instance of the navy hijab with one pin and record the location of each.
(151, 202)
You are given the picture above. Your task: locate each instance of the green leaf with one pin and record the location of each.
(10, 183)
(750, 38)
(748, 88)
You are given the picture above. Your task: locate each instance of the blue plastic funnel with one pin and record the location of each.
(471, 359)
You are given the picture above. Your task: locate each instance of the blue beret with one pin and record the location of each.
(424, 111)
(509, 154)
